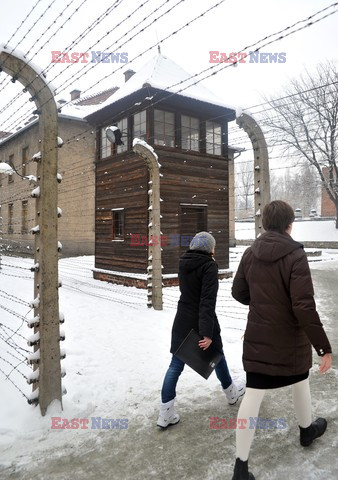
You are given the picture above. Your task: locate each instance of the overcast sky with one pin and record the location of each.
(228, 28)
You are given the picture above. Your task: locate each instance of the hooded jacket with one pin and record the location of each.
(198, 281)
(274, 279)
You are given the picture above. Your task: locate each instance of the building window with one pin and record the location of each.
(140, 125)
(123, 126)
(118, 223)
(24, 217)
(106, 146)
(164, 128)
(10, 218)
(213, 138)
(190, 133)
(11, 161)
(24, 161)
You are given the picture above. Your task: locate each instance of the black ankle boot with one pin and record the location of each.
(241, 471)
(315, 430)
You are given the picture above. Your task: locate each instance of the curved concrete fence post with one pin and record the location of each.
(261, 166)
(154, 270)
(46, 380)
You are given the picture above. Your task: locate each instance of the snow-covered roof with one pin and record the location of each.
(95, 98)
(77, 111)
(236, 149)
(4, 135)
(70, 114)
(68, 111)
(163, 73)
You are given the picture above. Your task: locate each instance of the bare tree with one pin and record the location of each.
(244, 189)
(304, 124)
(299, 186)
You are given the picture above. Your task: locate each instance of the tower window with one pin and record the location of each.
(190, 133)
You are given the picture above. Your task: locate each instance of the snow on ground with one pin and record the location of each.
(117, 353)
(302, 231)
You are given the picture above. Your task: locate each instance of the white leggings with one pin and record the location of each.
(250, 408)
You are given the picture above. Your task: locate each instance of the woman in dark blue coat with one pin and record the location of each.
(198, 281)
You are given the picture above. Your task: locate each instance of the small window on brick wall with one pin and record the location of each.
(118, 223)
(10, 218)
(24, 217)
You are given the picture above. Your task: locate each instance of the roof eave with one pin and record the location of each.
(127, 105)
(35, 122)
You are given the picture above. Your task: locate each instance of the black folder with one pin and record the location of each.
(202, 361)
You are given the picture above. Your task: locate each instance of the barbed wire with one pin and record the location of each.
(14, 367)
(75, 288)
(13, 266)
(16, 276)
(43, 73)
(246, 141)
(24, 116)
(17, 219)
(154, 103)
(142, 30)
(13, 298)
(284, 97)
(15, 385)
(32, 27)
(14, 332)
(228, 66)
(72, 178)
(13, 344)
(23, 22)
(11, 332)
(20, 94)
(301, 22)
(145, 51)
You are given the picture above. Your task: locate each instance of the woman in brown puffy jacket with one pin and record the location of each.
(274, 279)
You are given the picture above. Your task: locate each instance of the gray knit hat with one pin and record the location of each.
(203, 241)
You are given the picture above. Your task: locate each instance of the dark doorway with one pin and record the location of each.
(193, 219)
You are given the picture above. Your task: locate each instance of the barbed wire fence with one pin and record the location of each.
(45, 359)
(75, 276)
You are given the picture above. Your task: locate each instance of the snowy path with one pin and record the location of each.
(117, 353)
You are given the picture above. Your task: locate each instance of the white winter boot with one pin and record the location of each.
(168, 415)
(233, 393)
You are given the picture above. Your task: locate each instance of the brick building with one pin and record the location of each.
(76, 191)
(328, 208)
